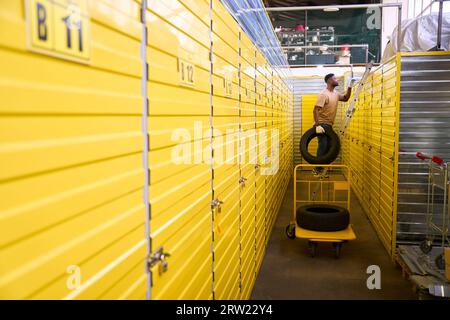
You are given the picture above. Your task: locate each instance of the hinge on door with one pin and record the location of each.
(242, 181)
(216, 204)
(158, 257)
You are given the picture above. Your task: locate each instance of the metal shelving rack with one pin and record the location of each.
(314, 38)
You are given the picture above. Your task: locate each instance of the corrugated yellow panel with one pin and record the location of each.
(247, 122)
(247, 49)
(226, 221)
(72, 216)
(260, 214)
(269, 179)
(247, 214)
(371, 149)
(260, 189)
(308, 103)
(179, 109)
(262, 153)
(226, 168)
(72, 144)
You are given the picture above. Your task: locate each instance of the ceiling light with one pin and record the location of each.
(331, 9)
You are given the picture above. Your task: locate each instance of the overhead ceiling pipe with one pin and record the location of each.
(328, 46)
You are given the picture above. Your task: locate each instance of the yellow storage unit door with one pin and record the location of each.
(225, 122)
(180, 173)
(390, 109)
(260, 182)
(370, 148)
(268, 177)
(247, 154)
(71, 210)
(308, 103)
(72, 214)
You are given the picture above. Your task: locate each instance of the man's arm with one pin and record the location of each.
(346, 96)
(316, 115)
(321, 99)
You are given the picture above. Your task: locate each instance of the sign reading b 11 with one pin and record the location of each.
(59, 28)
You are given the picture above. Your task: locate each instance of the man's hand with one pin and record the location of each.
(347, 95)
(320, 130)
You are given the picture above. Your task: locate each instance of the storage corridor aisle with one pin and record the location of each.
(288, 271)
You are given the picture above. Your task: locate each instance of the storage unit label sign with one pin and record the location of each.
(59, 28)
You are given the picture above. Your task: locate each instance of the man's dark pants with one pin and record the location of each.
(322, 148)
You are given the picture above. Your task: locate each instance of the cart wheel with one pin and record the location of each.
(440, 262)
(290, 231)
(337, 249)
(312, 248)
(426, 246)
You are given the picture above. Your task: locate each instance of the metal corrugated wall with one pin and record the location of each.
(424, 127)
(74, 129)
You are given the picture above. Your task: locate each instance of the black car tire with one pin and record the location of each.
(323, 217)
(334, 146)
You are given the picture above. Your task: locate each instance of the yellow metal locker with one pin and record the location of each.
(225, 122)
(180, 153)
(371, 145)
(247, 140)
(269, 176)
(72, 216)
(308, 103)
(260, 183)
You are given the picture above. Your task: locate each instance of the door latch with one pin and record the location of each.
(159, 257)
(257, 166)
(216, 203)
(242, 181)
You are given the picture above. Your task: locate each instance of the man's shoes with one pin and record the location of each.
(324, 174)
(320, 172)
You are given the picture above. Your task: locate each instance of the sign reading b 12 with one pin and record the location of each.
(59, 28)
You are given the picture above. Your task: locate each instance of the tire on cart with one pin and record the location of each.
(334, 145)
(323, 217)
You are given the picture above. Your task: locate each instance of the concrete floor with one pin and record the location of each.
(288, 271)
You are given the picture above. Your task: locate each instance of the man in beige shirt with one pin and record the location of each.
(325, 110)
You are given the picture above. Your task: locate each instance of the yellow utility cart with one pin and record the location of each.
(332, 187)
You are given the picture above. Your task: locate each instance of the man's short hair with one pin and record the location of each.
(328, 76)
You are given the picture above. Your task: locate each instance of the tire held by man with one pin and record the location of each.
(332, 153)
